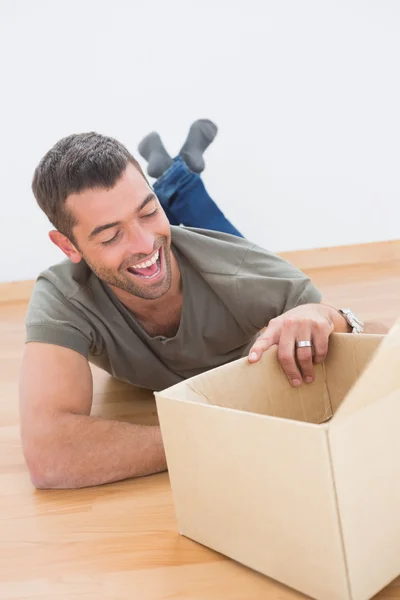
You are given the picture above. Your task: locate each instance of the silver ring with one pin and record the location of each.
(304, 344)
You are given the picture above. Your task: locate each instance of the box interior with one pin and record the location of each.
(263, 388)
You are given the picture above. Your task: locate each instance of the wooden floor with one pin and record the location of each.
(120, 541)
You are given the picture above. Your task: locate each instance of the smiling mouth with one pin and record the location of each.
(148, 269)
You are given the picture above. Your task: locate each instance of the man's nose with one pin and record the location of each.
(141, 241)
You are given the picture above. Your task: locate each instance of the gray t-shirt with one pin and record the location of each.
(231, 290)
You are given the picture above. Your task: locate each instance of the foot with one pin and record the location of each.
(200, 136)
(152, 149)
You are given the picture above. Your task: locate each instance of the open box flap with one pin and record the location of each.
(347, 359)
(263, 388)
(379, 379)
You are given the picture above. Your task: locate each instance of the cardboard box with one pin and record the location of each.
(300, 484)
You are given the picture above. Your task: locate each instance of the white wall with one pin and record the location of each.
(306, 96)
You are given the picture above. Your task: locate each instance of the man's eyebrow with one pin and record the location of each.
(146, 201)
(101, 228)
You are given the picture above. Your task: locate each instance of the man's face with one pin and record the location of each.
(124, 235)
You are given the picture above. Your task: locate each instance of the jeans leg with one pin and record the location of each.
(185, 200)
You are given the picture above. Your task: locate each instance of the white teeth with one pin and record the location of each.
(148, 263)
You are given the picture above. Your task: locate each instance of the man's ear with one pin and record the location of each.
(65, 245)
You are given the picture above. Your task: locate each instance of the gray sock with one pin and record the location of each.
(152, 149)
(200, 136)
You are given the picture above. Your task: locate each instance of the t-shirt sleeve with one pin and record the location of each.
(268, 286)
(53, 319)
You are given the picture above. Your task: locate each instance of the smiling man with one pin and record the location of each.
(150, 303)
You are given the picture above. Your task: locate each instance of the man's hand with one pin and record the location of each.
(310, 322)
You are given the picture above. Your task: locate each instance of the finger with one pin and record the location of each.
(286, 355)
(264, 341)
(320, 335)
(305, 355)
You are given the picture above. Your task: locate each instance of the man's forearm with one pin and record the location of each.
(80, 451)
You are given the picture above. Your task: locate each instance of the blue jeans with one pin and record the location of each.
(186, 202)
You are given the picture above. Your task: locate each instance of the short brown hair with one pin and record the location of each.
(76, 163)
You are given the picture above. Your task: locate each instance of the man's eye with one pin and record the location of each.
(110, 241)
(152, 214)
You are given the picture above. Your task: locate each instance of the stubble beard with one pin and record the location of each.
(123, 281)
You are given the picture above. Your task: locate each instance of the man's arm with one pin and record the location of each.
(64, 447)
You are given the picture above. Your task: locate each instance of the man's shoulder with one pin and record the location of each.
(209, 251)
(58, 310)
(64, 279)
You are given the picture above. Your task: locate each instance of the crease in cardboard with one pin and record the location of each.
(355, 362)
(301, 404)
(339, 520)
(195, 391)
(329, 409)
(270, 406)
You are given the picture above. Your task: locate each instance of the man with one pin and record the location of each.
(150, 303)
